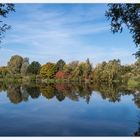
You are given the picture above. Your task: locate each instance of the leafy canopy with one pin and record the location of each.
(128, 15)
(34, 68)
(60, 65)
(48, 70)
(15, 63)
(5, 9)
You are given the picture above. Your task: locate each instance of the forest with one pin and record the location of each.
(107, 73)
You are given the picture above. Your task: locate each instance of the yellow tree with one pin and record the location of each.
(48, 70)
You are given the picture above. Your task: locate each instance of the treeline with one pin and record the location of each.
(105, 72)
(18, 66)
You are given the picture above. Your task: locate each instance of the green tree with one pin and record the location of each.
(5, 9)
(24, 66)
(34, 68)
(98, 72)
(108, 72)
(15, 63)
(60, 65)
(125, 14)
(88, 69)
(83, 70)
(79, 70)
(48, 70)
(113, 69)
(136, 68)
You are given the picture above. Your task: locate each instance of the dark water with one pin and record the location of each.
(68, 110)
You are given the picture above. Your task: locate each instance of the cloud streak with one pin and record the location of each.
(50, 32)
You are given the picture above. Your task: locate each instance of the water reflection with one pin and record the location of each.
(21, 92)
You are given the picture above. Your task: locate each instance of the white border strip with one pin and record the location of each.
(69, 1)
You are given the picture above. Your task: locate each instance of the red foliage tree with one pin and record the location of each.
(61, 75)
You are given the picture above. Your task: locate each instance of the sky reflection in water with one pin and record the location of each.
(68, 115)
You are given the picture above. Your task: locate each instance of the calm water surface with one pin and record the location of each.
(68, 110)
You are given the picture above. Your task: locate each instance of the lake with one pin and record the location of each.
(68, 110)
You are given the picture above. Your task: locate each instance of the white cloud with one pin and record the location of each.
(47, 34)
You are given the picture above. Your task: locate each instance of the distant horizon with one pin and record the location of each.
(49, 32)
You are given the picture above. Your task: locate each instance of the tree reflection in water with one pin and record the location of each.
(74, 91)
(14, 93)
(33, 91)
(47, 91)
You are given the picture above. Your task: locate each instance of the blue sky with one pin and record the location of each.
(48, 32)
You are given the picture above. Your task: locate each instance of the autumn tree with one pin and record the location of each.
(15, 63)
(73, 65)
(79, 70)
(70, 68)
(83, 70)
(48, 70)
(61, 75)
(3, 71)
